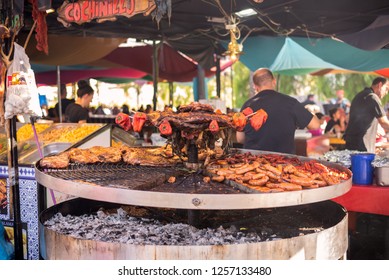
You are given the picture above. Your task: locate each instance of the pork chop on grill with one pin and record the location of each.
(58, 161)
(144, 156)
(107, 154)
(82, 156)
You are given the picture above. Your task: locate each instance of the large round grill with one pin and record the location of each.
(311, 227)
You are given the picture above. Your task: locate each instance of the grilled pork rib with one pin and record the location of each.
(107, 154)
(59, 161)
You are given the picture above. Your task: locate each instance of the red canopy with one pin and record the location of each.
(70, 76)
(90, 61)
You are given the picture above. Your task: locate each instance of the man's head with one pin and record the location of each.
(340, 93)
(263, 79)
(380, 86)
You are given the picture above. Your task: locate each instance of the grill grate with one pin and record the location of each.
(119, 175)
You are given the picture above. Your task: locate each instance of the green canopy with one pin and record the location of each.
(298, 56)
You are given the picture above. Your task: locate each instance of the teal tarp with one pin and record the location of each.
(295, 55)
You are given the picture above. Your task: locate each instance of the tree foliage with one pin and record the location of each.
(324, 87)
(241, 84)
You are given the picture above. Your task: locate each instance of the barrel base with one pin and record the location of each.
(328, 243)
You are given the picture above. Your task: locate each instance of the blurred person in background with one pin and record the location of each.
(99, 110)
(311, 105)
(323, 123)
(78, 112)
(337, 123)
(342, 101)
(64, 103)
(115, 110)
(366, 112)
(125, 109)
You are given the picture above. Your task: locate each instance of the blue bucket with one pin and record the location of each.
(363, 171)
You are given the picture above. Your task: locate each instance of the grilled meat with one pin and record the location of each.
(144, 156)
(83, 156)
(59, 161)
(107, 154)
(196, 107)
(97, 154)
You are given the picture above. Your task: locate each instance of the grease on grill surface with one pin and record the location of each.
(152, 226)
(147, 178)
(194, 183)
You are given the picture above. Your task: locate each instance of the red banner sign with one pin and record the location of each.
(88, 10)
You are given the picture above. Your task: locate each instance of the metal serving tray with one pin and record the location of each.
(58, 126)
(124, 136)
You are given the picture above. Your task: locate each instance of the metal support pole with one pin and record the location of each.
(232, 87)
(218, 73)
(170, 93)
(59, 93)
(201, 82)
(13, 172)
(194, 217)
(155, 74)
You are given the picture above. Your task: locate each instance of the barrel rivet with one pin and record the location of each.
(196, 201)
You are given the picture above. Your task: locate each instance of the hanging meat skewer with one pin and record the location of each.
(194, 122)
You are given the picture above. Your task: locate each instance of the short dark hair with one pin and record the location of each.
(84, 88)
(378, 80)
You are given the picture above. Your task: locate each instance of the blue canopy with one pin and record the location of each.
(292, 56)
(296, 56)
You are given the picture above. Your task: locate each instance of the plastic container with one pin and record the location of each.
(363, 171)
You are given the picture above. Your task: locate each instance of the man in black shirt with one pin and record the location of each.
(285, 115)
(366, 113)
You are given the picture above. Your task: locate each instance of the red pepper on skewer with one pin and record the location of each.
(239, 121)
(139, 120)
(258, 119)
(165, 128)
(247, 111)
(214, 126)
(124, 121)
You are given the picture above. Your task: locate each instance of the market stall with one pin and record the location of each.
(53, 138)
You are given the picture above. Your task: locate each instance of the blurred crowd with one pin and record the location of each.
(334, 115)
